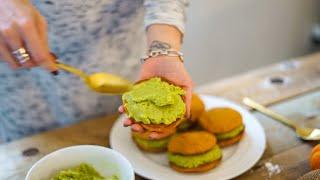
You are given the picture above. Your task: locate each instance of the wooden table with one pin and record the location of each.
(290, 88)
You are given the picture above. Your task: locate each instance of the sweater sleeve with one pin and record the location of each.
(171, 12)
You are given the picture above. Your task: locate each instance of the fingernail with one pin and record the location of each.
(133, 128)
(120, 109)
(54, 55)
(126, 124)
(153, 135)
(136, 127)
(55, 73)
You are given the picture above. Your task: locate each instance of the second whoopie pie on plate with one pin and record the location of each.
(225, 123)
(195, 151)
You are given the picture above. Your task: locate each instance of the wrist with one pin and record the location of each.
(159, 48)
(164, 58)
(162, 63)
(166, 53)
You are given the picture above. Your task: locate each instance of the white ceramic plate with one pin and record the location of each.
(236, 159)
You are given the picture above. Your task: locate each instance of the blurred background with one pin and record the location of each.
(227, 37)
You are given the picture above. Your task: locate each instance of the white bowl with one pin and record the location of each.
(105, 160)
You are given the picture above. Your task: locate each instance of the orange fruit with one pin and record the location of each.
(315, 161)
(315, 149)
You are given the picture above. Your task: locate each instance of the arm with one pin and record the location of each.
(164, 33)
(165, 25)
(170, 12)
(164, 20)
(171, 68)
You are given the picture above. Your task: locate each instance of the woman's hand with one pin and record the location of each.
(171, 69)
(162, 37)
(22, 26)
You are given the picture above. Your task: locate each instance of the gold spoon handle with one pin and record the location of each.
(72, 70)
(251, 103)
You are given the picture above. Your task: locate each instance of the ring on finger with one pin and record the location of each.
(21, 55)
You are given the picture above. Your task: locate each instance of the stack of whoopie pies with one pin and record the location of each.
(144, 142)
(158, 107)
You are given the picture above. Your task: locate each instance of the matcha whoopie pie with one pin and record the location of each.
(195, 151)
(154, 101)
(151, 145)
(225, 123)
(156, 105)
(196, 109)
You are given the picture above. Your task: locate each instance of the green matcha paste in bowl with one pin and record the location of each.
(155, 101)
(82, 172)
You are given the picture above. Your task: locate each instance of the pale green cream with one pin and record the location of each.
(161, 143)
(230, 134)
(154, 102)
(193, 161)
(82, 172)
(113, 177)
(185, 125)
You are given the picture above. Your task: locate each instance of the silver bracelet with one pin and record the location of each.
(169, 52)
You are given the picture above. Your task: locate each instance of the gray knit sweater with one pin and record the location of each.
(93, 35)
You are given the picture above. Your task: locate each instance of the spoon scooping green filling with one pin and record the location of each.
(82, 172)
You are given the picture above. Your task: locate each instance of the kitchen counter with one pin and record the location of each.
(290, 88)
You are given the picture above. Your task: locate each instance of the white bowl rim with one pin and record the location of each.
(119, 155)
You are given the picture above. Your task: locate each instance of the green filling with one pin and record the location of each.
(161, 143)
(154, 102)
(185, 125)
(82, 172)
(193, 161)
(113, 177)
(230, 134)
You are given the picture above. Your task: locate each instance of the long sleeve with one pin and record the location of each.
(171, 12)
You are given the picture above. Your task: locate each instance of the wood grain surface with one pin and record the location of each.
(299, 98)
(283, 147)
(270, 84)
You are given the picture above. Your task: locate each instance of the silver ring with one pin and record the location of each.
(21, 55)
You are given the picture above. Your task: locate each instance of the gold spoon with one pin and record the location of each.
(100, 82)
(310, 134)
